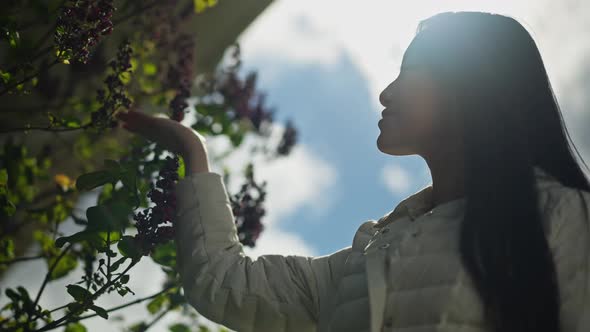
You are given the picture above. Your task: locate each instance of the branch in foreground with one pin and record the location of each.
(86, 302)
(21, 259)
(125, 305)
(46, 128)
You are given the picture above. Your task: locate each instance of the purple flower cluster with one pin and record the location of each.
(241, 96)
(155, 225)
(248, 211)
(180, 76)
(80, 26)
(115, 95)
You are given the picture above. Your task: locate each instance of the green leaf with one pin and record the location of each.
(149, 69)
(92, 180)
(128, 248)
(3, 177)
(181, 168)
(24, 294)
(78, 293)
(108, 217)
(112, 165)
(118, 263)
(113, 236)
(201, 5)
(124, 279)
(128, 178)
(138, 327)
(156, 304)
(176, 299)
(85, 235)
(179, 327)
(6, 249)
(165, 254)
(65, 265)
(5, 77)
(75, 327)
(100, 311)
(78, 220)
(14, 296)
(13, 38)
(74, 306)
(70, 122)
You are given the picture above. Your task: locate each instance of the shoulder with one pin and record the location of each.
(566, 211)
(364, 234)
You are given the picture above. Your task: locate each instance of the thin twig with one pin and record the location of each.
(27, 78)
(21, 259)
(54, 324)
(156, 319)
(59, 129)
(119, 307)
(48, 275)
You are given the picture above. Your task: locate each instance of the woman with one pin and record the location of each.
(499, 242)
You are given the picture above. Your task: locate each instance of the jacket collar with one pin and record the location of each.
(420, 202)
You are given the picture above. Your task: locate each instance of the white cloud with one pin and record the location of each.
(300, 180)
(275, 241)
(375, 34)
(397, 179)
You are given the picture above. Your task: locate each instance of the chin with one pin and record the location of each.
(393, 149)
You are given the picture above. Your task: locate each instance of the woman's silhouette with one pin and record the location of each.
(499, 242)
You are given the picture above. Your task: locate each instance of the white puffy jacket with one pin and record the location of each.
(396, 276)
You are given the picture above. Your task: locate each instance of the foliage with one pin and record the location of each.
(68, 67)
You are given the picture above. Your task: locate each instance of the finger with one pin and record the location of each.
(135, 119)
(122, 115)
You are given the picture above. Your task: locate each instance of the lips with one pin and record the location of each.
(388, 113)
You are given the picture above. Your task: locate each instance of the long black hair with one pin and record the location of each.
(493, 70)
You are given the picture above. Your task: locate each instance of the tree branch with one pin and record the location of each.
(48, 275)
(27, 78)
(156, 319)
(125, 305)
(58, 129)
(21, 259)
(54, 324)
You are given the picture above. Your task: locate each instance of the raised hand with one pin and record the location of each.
(171, 135)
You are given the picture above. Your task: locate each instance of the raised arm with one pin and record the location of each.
(271, 293)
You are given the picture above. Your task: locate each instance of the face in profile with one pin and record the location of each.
(412, 121)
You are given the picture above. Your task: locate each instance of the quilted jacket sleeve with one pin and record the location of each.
(271, 293)
(570, 242)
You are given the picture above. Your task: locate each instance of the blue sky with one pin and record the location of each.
(323, 64)
(326, 72)
(332, 108)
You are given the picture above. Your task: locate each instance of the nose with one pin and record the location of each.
(384, 98)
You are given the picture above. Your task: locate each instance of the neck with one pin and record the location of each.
(448, 178)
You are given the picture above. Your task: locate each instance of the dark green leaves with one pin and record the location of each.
(112, 173)
(128, 248)
(92, 180)
(78, 293)
(157, 303)
(86, 235)
(100, 311)
(66, 264)
(108, 217)
(179, 327)
(75, 327)
(165, 254)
